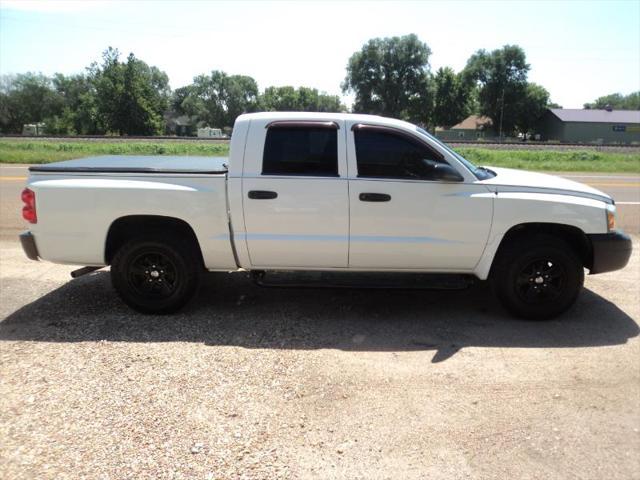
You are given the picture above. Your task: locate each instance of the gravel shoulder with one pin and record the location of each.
(328, 384)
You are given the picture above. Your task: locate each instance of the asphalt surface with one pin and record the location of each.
(625, 189)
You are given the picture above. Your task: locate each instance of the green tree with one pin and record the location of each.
(617, 101)
(452, 98)
(131, 96)
(308, 99)
(217, 99)
(501, 76)
(27, 98)
(391, 77)
(241, 96)
(279, 99)
(530, 107)
(303, 99)
(79, 114)
(330, 103)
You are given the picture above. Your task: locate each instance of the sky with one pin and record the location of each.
(578, 50)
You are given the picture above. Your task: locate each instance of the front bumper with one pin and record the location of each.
(28, 242)
(611, 251)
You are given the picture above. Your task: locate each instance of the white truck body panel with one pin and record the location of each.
(315, 223)
(74, 214)
(408, 233)
(515, 208)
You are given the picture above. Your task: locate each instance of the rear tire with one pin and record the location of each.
(537, 278)
(158, 275)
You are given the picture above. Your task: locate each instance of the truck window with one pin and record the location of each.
(383, 154)
(308, 151)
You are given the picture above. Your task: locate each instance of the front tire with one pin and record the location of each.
(158, 275)
(537, 278)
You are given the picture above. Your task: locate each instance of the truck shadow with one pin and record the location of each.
(230, 310)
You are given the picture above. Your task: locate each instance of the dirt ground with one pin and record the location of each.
(328, 384)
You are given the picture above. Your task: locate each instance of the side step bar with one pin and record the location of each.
(399, 281)
(83, 271)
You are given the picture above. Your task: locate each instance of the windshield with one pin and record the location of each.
(480, 173)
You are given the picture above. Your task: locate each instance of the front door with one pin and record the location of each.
(403, 219)
(295, 199)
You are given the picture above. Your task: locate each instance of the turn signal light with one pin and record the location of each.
(611, 220)
(29, 209)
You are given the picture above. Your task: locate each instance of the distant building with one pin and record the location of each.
(33, 129)
(208, 132)
(472, 128)
(590, 126)
(182, 126)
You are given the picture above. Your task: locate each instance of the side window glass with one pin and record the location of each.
(305, 151)
(387, 155)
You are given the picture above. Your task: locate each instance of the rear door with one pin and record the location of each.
(295, 194)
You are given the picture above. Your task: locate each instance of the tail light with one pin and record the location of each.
(29, 209)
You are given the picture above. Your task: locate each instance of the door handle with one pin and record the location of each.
(374, 197)
(262, 195)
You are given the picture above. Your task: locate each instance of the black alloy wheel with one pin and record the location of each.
(153, 274)
(541, 281)
(159, 274)
(537, 278)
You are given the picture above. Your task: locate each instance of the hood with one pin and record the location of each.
(509, 179)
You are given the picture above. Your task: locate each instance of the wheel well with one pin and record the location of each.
(125, 228)
(573, 236)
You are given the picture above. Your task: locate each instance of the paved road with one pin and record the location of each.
(625, 189)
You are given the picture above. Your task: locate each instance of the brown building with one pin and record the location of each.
(472, 128)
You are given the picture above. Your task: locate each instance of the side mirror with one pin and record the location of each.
(442, 171)
(447, 173)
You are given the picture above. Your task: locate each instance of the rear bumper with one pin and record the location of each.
(28, 242)
(611, 251)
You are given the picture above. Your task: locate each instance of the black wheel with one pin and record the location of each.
(537, 278)
(155, 275)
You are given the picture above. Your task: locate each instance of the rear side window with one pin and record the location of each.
(382, 154)
(310, 151)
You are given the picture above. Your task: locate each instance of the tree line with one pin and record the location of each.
(129, 97)
(387, 76)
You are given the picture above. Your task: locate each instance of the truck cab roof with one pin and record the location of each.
(354, 117)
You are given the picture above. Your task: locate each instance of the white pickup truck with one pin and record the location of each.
(322, 192)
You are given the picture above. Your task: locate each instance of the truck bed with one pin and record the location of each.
(137, 164)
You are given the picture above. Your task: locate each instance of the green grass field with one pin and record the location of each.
(46, 151)
(556, 161)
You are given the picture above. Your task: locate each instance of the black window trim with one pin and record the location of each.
(303, 124)
(399, 132)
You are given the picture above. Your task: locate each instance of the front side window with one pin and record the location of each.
(383, 154)
(305, 151)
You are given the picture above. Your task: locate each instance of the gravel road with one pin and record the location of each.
(328, 384)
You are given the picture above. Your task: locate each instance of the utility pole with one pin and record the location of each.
(501, 113)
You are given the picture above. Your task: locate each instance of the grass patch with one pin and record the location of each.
(557, 161)
(46, 151)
